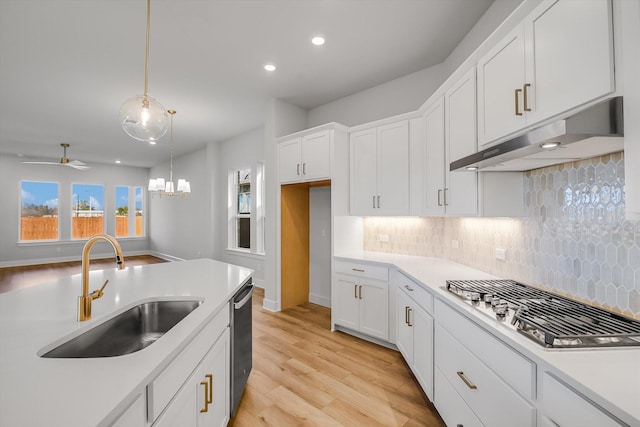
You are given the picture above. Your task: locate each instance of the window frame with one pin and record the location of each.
(256, 215)
(38, 241)
(132, 213)
(72, 210)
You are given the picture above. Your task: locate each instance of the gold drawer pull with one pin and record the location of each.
(409, 288)
(518, 91)
(409, 317)
(206, 396)
(469, 384)
(358, 270)
(210, 397)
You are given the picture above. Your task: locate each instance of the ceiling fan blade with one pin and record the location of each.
(42, 163)
(76, 164)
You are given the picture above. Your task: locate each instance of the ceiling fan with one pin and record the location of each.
(64, 161)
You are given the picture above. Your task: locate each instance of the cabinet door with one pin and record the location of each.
(423, 349)
(345, 304)
(434, 170)
(184, 407)
(405, 328)
(461, 195)
(316, 156)
(363, 172)
(569, 55)
(289, 156)
(374, 308)
(393, 169)
(500, 73)
(217, 364)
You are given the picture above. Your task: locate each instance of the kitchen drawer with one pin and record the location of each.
(450, 405)
(420, 295)
(164, 387)
(566, 407)
(511, 366)
(370, 271)
(490, 398)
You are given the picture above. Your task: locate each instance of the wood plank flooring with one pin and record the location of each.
(303, 374)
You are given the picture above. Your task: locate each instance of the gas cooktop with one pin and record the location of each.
(548, 319)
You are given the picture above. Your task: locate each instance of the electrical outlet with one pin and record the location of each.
(383, 237)
(501, 254)
(454, 244)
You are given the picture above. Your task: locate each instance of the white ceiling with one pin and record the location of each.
(66, 66)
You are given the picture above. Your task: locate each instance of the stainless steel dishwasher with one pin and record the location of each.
(241, 348)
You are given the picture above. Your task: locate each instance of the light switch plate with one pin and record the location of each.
(501, 254)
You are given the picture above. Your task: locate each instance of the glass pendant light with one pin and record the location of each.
(142, 117)
(159, 186)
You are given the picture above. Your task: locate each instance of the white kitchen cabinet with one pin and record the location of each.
(305, 158)
(134, 416)
(360, 299)
(564, 407)
(379, 170)
(415, 338)
(559, 58)
(203, 400)
(434, 170)
(460, 194)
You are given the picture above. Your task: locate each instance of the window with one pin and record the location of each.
(246, 209)
(243, 208)
(129, 222)
(87, 210)
(39, 211)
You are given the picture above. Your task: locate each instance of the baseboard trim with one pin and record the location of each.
(320, 300)
(270, 305)
(365, 337)
(54, 260)
(165, 257)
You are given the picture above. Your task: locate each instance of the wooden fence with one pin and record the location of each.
(46, 228)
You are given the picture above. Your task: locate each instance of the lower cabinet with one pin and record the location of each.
(415, 338)
(360, 298)
(203, 400)
(480, 371)
(564, 407)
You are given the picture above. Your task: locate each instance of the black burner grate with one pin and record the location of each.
(552, 320)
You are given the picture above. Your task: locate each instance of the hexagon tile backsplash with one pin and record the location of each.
(574, 238)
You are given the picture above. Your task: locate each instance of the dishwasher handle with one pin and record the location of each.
(238, 305)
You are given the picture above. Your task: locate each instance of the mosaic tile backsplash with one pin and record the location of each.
(574, 238)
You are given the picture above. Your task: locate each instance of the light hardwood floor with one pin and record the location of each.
(303, 374)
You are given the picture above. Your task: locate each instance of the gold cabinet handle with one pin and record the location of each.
(409, 316)
(206, 396)
(409, 288)
(406, 315)
(439, 197)
(355, 291)
(304, 169)
(378, 197)
(446, 202)
(374, 202)
(360, 292)
(517, 96)
(210, 397)
(298, 169)
(526, 96)
(469, 384)
(359, 270)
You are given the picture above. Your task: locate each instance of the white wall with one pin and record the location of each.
(12, 172)
(397, 96)
(240, 152)
(320, 245)
(184, 227)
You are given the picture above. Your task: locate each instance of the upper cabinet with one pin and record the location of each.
(559, 58)
(379, 170)
(460, 194)
(305, 158)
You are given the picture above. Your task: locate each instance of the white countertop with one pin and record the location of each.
(35, 391)
(609, 377)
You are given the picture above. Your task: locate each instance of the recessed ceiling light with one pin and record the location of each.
(472, 168)
(152, 142)
(317, 40)
(118, 162)
(270, 67)
(548, 145)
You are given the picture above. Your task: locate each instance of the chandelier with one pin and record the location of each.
(142, 117)
(158, 186)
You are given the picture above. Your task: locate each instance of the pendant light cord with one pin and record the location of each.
(172, 112)
(146, 52)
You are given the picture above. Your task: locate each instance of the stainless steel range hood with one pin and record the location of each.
(592, 132)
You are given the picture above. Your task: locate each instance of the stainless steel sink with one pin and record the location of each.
(128, 332)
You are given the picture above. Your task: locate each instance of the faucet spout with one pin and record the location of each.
(84, 301)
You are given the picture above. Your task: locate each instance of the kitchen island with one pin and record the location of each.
(36, 391)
